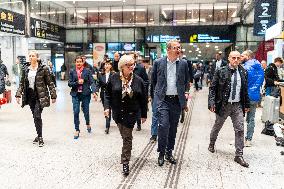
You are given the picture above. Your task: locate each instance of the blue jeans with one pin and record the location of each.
(250, 120)
(154, 125)
(168, 117)
(76, 109)
(268, 91)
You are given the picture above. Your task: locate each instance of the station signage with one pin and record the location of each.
(264, 16)
(47, 30)
(191, 34)
(206, 38)
(11, 22)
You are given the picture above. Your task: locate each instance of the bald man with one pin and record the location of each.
(115, 61)
(228, 96)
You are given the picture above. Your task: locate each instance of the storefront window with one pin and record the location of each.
(35, 9)
(139, 34)
(93, 16)
(45, 10)
(70, 17)
(126, 35)
(74, 36)
(141, 15)
(166, 15)
(232, 12)
(99, 36)
(179, 15)
(206, 14)
(104, 16)
(111, 35)
(87, 36)
(192, 14)
(153, 15)
(128, 15)
(53, 16)
(81, 16)
(116, 16)
(220, 13)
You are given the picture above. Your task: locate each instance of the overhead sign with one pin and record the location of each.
(264, 16)
(274, 31)
(46, 30)
(11, 22)
(206, 38)
(161, 38)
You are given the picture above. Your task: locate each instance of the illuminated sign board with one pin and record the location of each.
(11, 22)
(161, 38)
(206, 38)
(46, 30)
(264, 16)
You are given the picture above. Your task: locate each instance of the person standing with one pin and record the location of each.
(115, 61)
(102, 84)
(17, 70)
(219, 62)
(63, 69)
(271, 75)
(126, 96)
(4, 75)
(82, 86)
(255, 80)
(170, 82)
(35, 88)
(228, 96)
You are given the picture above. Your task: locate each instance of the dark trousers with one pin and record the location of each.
(108, 119)
(236, 113)
(36, 110)
(126, 135)
(138, 120)
(76, 109)
(168, 117)
(196, 83)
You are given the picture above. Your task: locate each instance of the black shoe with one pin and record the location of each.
(153, 138)
(138, 128)
(35, 140)
(107, 131)
(40, 142)
(161, 160)
(182, 116)
(125, 169)
(240, 160)
(211, 148)
(171, 159)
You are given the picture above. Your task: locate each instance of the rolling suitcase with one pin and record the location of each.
(270, 111)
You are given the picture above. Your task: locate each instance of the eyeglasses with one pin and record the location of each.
(176, 48)
(129, 65)
(236, 57)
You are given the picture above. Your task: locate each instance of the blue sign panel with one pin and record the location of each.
(264, 16)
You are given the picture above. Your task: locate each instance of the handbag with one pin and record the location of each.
(275, 91)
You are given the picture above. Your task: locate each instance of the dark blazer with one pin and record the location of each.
(224, 63)
(125, 110)
(88, 85)
(102, 84)
(271, 75)
(219, 91)
(190, 70)
(159, 80)
(141, 72)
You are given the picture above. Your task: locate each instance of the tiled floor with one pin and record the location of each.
(92, 161)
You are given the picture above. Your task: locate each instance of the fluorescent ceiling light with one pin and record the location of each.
(13, 2)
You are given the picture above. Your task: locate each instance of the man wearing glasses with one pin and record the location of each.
(228, 96)
(170, 82)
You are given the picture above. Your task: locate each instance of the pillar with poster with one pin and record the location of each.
(99, 50)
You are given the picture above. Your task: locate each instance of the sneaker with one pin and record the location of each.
(40, 142)
(125, 169)
(247, 143)
(138, 128)
(35, 140)
(153, 138)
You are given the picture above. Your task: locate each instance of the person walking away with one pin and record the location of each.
(228, 96)
(255, 80)
(17, 70)
(126, 96)
(35, 88)
(82, 86)
(63, 69)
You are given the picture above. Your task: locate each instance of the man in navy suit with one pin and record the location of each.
(170, 81)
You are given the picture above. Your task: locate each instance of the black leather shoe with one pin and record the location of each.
(211, 148)
(171, 159)
(153, 138)
(240, 160)
(125, 169)
(161, 160)
(107, 131)
(138, 128)
(182, 116)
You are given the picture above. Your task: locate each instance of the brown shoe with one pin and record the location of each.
(211, 148)
(240, 160)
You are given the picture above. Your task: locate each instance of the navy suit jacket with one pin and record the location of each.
(159, 80)
(88, 85)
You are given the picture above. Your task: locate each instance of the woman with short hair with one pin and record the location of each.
(36, 87)
(126, 95)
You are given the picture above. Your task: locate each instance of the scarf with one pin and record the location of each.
(126, 85)
(79, 74)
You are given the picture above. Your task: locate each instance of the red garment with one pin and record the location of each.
(79, 74)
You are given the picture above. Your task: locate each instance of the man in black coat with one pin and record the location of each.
(228, 96)
(141, 72)
(219, 63)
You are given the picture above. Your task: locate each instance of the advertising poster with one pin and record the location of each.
(99, 50)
